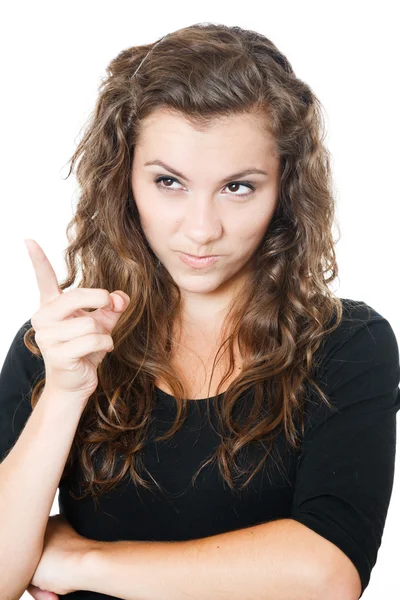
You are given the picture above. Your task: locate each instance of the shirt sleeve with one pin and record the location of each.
(345, 470)
(19, 374)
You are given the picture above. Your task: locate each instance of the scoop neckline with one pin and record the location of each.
(160, 391)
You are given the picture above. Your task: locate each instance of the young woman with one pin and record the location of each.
(218, 422)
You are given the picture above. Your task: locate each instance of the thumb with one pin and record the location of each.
(109, 317)
(120, 301)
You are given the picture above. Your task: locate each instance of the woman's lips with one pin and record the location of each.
(197, 262)
(195, 256)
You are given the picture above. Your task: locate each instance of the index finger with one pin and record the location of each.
(45, 274)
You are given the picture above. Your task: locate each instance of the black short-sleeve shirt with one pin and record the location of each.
(338, 485)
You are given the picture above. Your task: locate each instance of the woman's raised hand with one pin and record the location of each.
(73, 342)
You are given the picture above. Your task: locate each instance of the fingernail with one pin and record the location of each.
(28, 244)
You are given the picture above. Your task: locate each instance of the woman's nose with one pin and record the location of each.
(202, 221)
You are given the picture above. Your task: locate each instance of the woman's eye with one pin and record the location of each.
(159, 181)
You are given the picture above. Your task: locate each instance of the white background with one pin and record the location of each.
(54, 55)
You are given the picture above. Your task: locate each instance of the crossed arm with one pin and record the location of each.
(278, 560)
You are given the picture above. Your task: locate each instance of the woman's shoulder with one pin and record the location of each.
(365, 330)
(358, 366)
(20, 371)
(18, 357)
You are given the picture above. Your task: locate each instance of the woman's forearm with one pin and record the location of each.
(279, 560)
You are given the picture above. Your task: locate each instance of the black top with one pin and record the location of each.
(339, 485)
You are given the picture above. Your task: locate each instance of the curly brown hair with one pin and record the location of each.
(202, 71)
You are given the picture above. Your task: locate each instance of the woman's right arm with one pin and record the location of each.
(29, 478)
(73, 342)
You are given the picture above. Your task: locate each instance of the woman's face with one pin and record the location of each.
(206, 209)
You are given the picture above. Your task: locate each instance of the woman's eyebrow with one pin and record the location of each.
(181, 176)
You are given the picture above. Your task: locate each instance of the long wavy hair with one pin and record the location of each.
(286, 310)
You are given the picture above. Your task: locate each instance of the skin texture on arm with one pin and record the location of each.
(279, 560)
